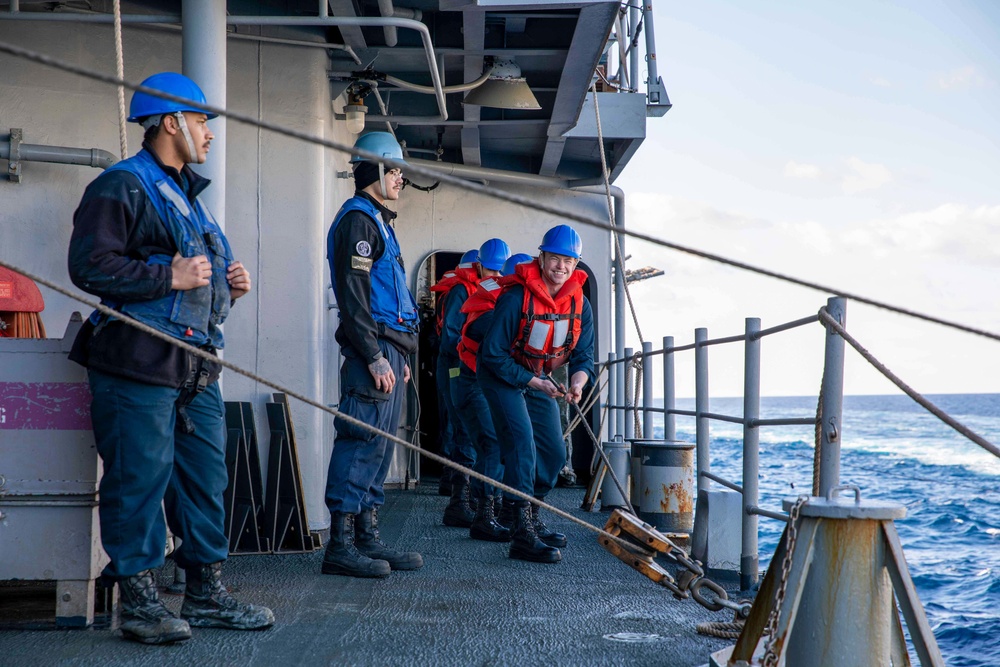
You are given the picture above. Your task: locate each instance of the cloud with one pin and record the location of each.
(800, 170)
(951, 231)
(961, 79)
(880, 82)
(864, 176)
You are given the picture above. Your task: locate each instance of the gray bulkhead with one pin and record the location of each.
(281, 195)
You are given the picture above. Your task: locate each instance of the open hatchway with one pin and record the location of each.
(427, 413)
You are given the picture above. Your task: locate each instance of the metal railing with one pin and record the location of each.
(623, 74)
(826, 476)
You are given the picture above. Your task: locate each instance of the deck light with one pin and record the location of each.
(505, 88)
(355, 111)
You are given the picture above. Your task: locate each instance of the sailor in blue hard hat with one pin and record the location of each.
(511, 264)
(366, 171)
(146, 245)
(377, 330)
(454, 440)
(469, 445)
(541, 322)
(188, 120)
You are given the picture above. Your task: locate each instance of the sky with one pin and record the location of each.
(854, 144)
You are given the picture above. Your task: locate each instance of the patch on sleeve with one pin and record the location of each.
(361, 263)
(363, 249)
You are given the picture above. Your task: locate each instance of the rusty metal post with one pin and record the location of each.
(845, 613)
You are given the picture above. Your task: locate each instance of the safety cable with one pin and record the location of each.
(203, 354)
(832, 322)
(510, 197)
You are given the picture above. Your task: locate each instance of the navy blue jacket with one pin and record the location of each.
(357, 327)
(115, 231)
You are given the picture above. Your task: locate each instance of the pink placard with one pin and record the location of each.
(44, 406)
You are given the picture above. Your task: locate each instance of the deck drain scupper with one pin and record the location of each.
(633, 637)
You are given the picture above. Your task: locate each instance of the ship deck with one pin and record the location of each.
(468, 605)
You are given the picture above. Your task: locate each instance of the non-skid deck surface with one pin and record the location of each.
(469, 605)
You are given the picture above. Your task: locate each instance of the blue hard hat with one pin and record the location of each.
(145, 105)
(469, 257)
(562, 240)
(513, 261)
(493, 254)
(381, 143)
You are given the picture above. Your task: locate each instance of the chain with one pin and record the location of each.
(770, 657)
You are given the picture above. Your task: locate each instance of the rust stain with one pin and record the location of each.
(676, 494)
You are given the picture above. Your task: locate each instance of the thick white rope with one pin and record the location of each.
(120, 69)
(619, 259)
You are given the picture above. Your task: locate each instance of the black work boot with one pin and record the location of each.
(143, 617)
(342, 557)
(458, 513)
(207, 603)
(550, 537)
(505, 515)
(484, 524)
(525, 545)
(368, 542)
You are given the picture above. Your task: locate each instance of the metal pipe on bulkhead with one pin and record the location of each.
(749, 574)
(87, 157)
(386, 8)
(203, 58)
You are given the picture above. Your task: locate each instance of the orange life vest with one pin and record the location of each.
(482, 301)
(463, 274)
(550, 326)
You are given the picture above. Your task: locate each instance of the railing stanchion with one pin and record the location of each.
(620, 397)
(629, 395)
(647, 390)
(669, 390)
(828, 475)
(749, 559)
(701, 406)
(609, 423)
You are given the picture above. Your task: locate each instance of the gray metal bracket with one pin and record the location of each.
(14, 165)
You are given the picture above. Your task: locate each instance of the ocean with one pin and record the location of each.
(894, 450)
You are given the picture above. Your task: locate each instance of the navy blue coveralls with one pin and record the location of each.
(378, 318)
(526, 421)
(475, 414)
(463, 451)
(131, 221)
